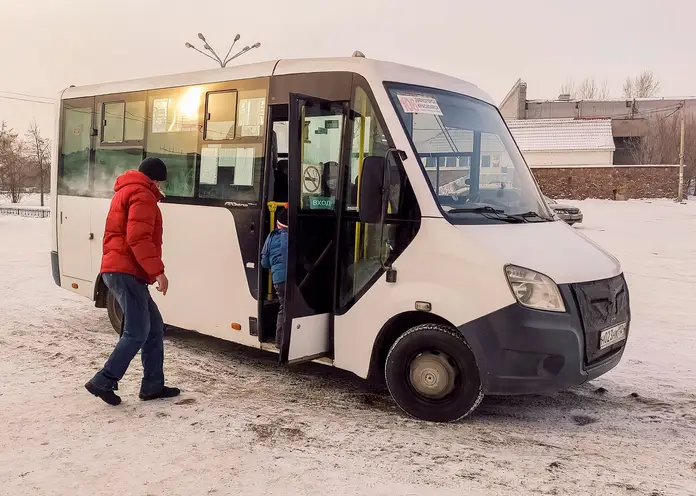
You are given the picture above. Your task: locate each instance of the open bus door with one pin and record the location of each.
(316, 129)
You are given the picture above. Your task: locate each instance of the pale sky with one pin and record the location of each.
(50, 44)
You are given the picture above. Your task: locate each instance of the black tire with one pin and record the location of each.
(115, 313)
(442, 344)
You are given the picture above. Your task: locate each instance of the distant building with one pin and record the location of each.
(587, 144)
(565, 142)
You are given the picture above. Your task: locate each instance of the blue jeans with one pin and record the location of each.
(280, 319)
(143, 329)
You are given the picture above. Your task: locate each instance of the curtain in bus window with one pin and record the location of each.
(231, 172)
(251, 113)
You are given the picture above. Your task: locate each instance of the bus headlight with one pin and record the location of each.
(534, 290)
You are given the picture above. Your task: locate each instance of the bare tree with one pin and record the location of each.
(660, 144)
(14, 167)
(568, 88)
(644, 85)
(39, 156)
(588, 89)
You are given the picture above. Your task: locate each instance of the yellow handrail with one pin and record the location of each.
(361, 158)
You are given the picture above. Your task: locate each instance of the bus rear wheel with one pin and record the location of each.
(113, 309)
(432, 375)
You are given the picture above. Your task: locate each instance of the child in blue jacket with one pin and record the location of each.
(274, 256)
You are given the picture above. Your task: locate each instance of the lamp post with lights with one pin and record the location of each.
(215, 56)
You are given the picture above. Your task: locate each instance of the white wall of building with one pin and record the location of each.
(569, 158)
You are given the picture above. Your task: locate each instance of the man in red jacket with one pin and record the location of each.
(132, 260)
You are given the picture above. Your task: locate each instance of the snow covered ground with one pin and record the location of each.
(244, 426)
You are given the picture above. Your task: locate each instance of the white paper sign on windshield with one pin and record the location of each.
(417, 104)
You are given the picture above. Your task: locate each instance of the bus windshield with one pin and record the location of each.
(472, 163)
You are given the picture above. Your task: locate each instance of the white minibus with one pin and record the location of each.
(420, 248)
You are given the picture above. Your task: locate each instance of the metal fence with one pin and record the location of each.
(40, 212)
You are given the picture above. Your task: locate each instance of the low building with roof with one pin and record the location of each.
(564, 142)
(584, 148)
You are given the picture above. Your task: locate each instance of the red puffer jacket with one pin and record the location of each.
(133, 232)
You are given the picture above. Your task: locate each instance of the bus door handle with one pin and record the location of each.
(91, 236)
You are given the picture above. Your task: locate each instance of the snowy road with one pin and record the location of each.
(245, 427)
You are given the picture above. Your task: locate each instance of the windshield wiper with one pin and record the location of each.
(489, 213)
(532, 215)
(475, 210)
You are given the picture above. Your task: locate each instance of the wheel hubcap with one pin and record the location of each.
(433, 375)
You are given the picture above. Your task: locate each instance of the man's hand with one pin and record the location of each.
(162, 284)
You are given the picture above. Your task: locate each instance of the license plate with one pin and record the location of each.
(612, 335)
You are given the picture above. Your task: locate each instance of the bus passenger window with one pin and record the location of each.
(119, 147)
(113, 121)
(135, 120)
(73, 174)
(172, 135)
(231, 172)
(221, 111)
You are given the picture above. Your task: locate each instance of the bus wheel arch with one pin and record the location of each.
(391, 331)
(431, 373)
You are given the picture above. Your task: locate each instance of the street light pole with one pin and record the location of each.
(215, 57)
(236, 39)
(680, 194)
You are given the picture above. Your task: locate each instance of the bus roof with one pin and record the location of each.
(374, 71)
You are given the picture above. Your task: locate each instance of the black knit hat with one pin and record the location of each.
(153, 168)
(282, 217)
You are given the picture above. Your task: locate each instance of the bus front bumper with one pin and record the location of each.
(523, 351)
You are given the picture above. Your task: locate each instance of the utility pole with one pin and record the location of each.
(680, 195)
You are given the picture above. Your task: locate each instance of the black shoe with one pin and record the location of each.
(106, 395)
(165, 392)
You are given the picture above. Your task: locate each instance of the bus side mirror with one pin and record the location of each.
(371, 205)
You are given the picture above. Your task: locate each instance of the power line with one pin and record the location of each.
(634, 113)
(26, 94)
(25, 100)
(671, 113)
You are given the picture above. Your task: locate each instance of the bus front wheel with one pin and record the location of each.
(115, 312)
(432, 375)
